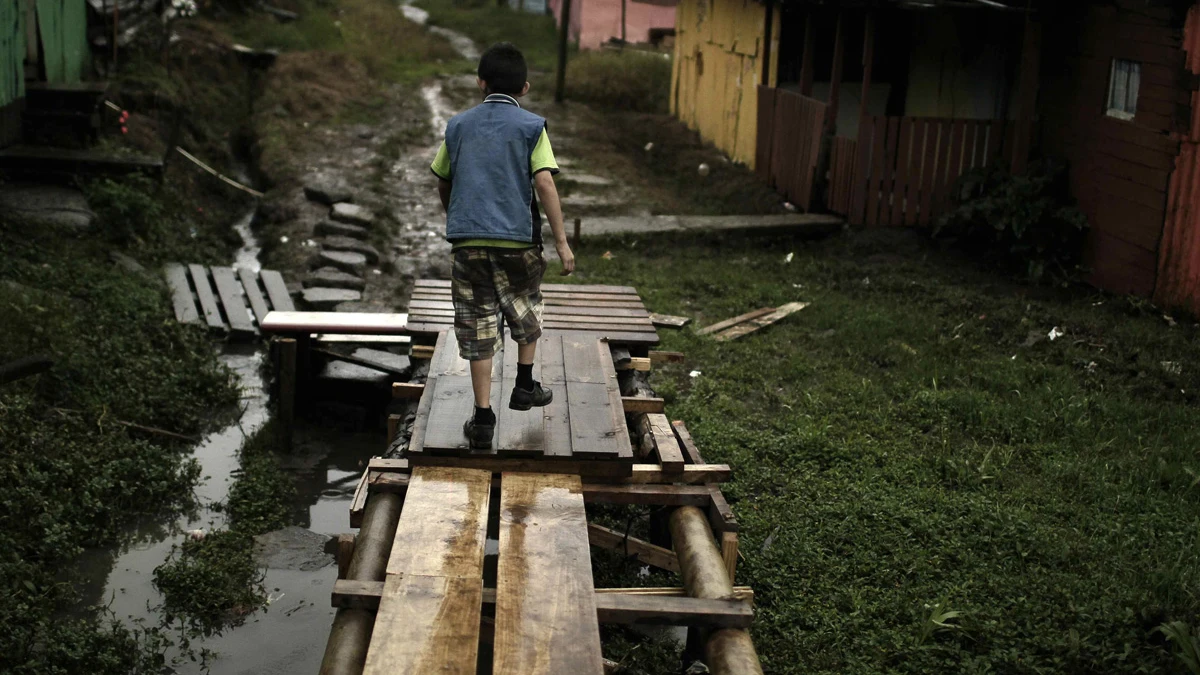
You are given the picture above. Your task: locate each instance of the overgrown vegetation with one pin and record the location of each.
(926, 481)
(630, 80)
(72, 473)
(213, 582)
(1027, 223)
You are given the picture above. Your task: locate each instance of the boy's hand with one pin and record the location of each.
(567, 257)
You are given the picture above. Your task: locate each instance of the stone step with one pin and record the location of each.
(352, 213)
(332, 227)
(332, 277)
(343, 243)
(347, 261)
(323, 299)
(327, 191)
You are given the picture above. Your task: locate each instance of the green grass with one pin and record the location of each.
(901, 456)
(372, 32)
(487, 24)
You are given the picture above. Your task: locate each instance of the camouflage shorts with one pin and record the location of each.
(488, 282)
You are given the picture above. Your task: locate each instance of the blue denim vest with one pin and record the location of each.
(490, 149)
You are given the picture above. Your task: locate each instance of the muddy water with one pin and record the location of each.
(289, 635)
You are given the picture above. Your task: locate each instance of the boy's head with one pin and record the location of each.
(502, 70)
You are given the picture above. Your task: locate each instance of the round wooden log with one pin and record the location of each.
(728, 651)
(731, 651)
(346, 651)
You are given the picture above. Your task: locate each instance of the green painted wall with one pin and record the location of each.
(62, 25)
(12, 51)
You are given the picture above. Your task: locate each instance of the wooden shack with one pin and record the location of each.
(873, 109)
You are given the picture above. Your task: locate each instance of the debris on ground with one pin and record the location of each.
(789, 257)
(703, 169)
(608, 255)
(694, 374)
(669, 321)
(747, 323)
(1055, 333)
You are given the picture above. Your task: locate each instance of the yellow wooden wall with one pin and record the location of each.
(718, 66)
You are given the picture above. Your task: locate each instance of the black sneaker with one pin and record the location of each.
(524, 399)
(479, 436)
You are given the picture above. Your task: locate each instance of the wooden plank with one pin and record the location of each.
(429, 613)
(657, 495)
(442, 528)
(751, 326)
(416, 443)
(640, 404)
(665, 443)
(879, 169)
(888, 179)
(444, 284)
(720, 516)
(669, 321)
(181, 294)
(208, 303)
(632, 547)
(365, 323)
(452, 404)
(900, 187)
(556, 417)
(912, 200)
(616, 608)
(518, 432)
(563, 312)
(605, 469)
(351, 594)
(667, 357)
(722, 325)
(258, 303)
(594, 432)
(933, 139)
(638, 363)
(366, 363)
(692, 474)
(685, 441)
(229, 290)
(545, 602)
(424, 352)
(729, 553)
(359, 503)
(281, 300)
(426, 624)
(407, 390)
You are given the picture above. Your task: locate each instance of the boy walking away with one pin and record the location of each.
(494, 158)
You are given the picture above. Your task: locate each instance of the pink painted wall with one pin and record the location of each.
(593, 22)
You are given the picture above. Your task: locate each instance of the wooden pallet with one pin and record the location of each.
(586, 420)
(217, 296)
(612, 312)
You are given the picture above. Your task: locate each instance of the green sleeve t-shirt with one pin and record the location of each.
(542, 159)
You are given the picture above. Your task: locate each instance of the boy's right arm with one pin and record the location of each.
(543, 182)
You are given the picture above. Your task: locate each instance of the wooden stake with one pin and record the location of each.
(287, 390)
(393, 424)
(564, 32)
(345, 553)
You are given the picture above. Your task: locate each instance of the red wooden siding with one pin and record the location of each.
(1119, 169)
(906, 167)
(790, 128)
(1178, 282)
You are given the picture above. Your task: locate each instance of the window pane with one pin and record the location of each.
(1135, 81)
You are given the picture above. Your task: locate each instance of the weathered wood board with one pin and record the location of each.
(545, 601)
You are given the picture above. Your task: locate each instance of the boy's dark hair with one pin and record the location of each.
(503, 68)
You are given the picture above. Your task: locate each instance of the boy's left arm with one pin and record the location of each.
(441, 169)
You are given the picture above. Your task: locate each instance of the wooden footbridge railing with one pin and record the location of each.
(416, 592)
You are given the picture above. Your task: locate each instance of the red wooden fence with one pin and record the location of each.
(790, 128)
(841, 174)
(906, 167)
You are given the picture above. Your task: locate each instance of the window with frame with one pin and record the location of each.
(1123, 84)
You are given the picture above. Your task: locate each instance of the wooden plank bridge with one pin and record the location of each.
(418, 591)
(218, 296)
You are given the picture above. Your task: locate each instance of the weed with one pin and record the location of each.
(629, 79)
(1187, 646)
(212, 582)
(486, 23)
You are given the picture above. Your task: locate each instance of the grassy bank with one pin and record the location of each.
(486, 23)
(73, 473)
(926, 481)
